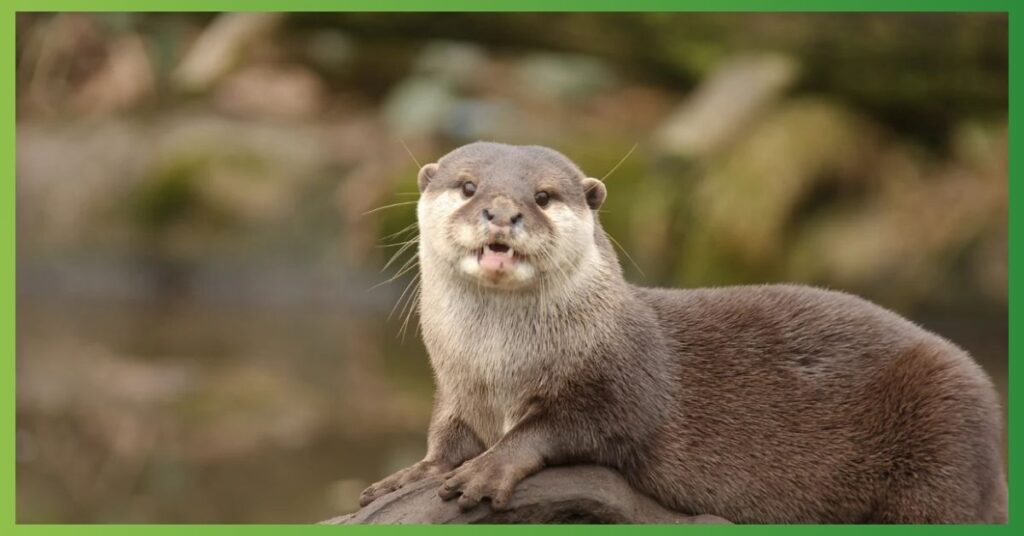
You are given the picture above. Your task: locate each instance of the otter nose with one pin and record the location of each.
(502, 215)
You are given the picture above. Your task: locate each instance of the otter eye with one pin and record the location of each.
(468, 189)
(542, 198)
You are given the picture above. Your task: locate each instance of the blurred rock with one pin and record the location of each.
(455, 63)
(212, 414)
(221, 46)
(906, 240)
(125, 80)
(94, 381)
(60, 199)
(272, 91)
(117, 178)
(814, 192)
(747, 200)
(256, 195)
(57, 57)
(474, 119)
(725, 103)
(330, 51)
(630, 109)
(419, 106)
(563, 77)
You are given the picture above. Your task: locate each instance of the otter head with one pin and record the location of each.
(507, 216)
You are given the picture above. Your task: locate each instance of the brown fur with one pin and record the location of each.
(766, 404)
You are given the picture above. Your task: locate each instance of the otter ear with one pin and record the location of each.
(595, 192)
(426, 175)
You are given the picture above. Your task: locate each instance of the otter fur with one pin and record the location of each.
(760, 404)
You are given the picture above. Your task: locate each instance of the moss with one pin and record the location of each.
(170, 197)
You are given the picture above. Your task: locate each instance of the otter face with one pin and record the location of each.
(507, 216)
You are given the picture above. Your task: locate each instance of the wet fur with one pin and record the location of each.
(762, 404)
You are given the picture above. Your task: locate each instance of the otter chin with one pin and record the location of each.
(758, 404)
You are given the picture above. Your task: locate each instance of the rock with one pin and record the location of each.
(564, 77)
(802, 147)
(221, 46)
(578, 494)
(125, 80)
(245, 172)
(724, 103)
(473, 119)
(912, 230)
(419, 106)
(288, 91)
(329, 51)
(453, 62)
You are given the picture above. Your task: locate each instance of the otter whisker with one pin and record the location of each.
(409, 152)
(411, 304)
(396, 244)
(392, 205)
(606, 175)
(543, 303)
(409, 264)
(402, 242)
(398, 253)
(404, 230)
(402, 295)
(405, 299)
(402, 271)
(626, 253)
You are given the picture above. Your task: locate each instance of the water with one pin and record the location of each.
(157, 408)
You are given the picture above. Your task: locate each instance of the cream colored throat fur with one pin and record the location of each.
(492, 349)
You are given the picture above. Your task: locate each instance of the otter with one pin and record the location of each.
(760, 404)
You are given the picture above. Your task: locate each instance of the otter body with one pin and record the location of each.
(766, 404)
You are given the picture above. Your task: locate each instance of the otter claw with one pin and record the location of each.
(477, 482)
(448, 492)
(466, 502)
(415, 473)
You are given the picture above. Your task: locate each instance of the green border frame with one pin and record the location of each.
(8, 263)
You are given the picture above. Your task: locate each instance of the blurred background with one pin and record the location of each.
(199, 334)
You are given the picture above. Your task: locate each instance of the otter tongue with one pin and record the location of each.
(496, 261)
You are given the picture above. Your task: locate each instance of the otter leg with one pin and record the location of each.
(943, 458)
(972, 495)
(494, 474)
(450, 443)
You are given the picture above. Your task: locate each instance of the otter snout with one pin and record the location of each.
(502, 213)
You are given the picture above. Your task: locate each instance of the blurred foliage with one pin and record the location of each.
(205, 200)
(169, 197)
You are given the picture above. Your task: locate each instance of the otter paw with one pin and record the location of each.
(414, 473)
(479, 479)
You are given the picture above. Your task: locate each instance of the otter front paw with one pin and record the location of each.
(414, 473)
(485, 477)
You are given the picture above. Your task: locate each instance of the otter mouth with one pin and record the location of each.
(497, 257)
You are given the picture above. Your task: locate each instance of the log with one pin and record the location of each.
(578, 494)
